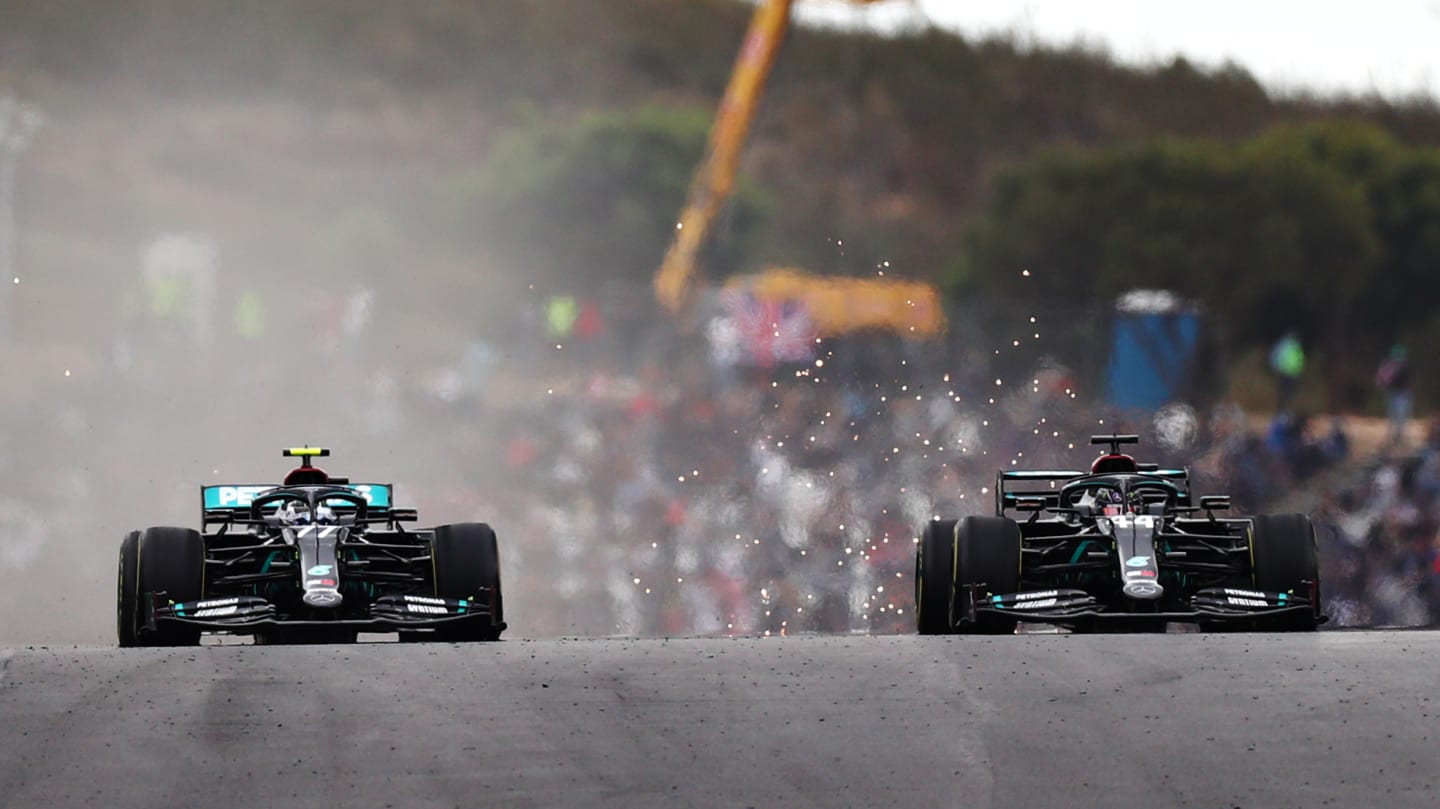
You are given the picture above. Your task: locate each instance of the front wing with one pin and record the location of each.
(1210, 605)
(247, 615)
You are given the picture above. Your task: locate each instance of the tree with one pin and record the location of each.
(596, 200)
(1402, 188)
(1263, 239)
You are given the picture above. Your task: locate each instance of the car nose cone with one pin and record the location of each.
(323, 598)
(1146, 590)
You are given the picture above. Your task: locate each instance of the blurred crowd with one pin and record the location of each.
(1379, 535)
(653, 479)
(656, 485)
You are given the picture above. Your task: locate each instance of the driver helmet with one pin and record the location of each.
(1111, 496)
(324, 515)
(294, 513)
(1106, 500)
(1137, 501)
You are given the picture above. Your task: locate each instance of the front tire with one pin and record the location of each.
(170, 561)
(128, 591)
(934, 566)
(466, 558)
(1285, 560)
(987, 558)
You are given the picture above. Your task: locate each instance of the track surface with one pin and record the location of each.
(1333, 719)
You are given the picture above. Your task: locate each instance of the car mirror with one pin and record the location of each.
(1023, 503)
(1215, 502)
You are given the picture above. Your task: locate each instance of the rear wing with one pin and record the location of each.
(1028, 484)
(218, 503)
(1180, 477)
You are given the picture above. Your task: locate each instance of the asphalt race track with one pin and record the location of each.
(1345, 719)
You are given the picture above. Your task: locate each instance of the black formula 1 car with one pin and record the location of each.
(1123, 547)
(315, 559)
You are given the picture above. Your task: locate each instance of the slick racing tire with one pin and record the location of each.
(170, 561)
(1284, 559)
(934, 565)
(987, 559)
(128, 595)
(466, 558)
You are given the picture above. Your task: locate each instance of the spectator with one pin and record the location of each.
(1336, 444)
(1393, 377)
(1287, 360)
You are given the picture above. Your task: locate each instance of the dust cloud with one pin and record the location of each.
(228, 242)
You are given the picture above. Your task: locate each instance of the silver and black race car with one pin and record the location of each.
(315, 559)
(1123, 547)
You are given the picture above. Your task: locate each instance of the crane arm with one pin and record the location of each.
(911, 309)
(713, 179)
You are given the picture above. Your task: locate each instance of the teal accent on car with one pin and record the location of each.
(1080, 550)
(239, 495)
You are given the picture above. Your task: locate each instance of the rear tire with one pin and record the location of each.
(1285, 557)
(127, 591)
(170, 561)
(466, 557)
(934, 566)
(987, 555)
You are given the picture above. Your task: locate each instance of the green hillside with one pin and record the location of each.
(453, 153)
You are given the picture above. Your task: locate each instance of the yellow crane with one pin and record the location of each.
(838, 305)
